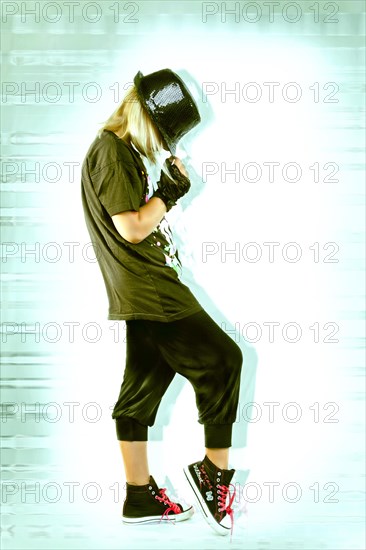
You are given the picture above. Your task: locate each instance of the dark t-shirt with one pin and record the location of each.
(141, 280)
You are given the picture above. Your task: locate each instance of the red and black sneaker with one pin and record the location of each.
(148, 504)
(210, 485)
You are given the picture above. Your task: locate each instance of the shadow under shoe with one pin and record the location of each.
(148, 504)
(211, 487)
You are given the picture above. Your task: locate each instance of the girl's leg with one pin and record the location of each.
(220, 457)
(134, 454)
(146, 378)
(198, 349)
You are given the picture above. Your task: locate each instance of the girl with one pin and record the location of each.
(167, 329)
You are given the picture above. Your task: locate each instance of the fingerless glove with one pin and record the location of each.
(170, 191)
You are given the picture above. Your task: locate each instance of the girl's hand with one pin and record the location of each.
(179, 164)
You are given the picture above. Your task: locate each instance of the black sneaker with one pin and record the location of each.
(148, 503)
(210, 485)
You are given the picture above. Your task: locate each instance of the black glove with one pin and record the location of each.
(170, 191)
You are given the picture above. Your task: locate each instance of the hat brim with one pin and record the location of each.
(172, 146)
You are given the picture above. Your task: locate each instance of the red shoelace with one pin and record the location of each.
(171, 505)
(224, 492)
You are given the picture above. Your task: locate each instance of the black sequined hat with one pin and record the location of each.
(169, 103)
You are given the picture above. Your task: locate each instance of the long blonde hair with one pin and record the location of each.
(133, 124)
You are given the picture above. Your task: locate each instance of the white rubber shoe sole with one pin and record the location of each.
(155, 519)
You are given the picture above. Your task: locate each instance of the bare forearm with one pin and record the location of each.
(149, 216)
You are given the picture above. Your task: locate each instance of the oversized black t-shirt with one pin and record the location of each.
(142, 280)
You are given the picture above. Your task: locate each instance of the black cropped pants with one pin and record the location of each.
(198, 349)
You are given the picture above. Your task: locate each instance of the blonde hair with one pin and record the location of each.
(132, 123)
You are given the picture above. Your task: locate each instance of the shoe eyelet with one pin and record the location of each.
(219, 473)
(150, 487)
(156, 497)
(153, 492)
(218, 479)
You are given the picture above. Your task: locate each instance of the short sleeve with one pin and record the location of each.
(118, 187)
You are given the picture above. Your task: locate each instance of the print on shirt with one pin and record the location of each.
(168, 248)
(165, 244)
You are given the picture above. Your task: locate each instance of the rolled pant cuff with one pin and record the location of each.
(218, 436)
(128, 429)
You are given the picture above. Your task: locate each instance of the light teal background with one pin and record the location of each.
(64, 361)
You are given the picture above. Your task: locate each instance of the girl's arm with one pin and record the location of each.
(136, 226)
